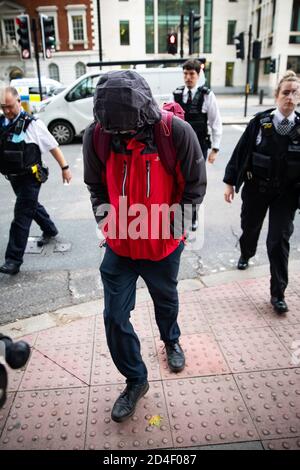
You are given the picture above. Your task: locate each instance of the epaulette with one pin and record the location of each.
(204, 89)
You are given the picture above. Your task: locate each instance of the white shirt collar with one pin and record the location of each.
(279, 116)
(7, 121)
(193, 90)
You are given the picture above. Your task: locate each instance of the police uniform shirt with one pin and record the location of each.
(277, 119)
(210, 107)
(38, 134)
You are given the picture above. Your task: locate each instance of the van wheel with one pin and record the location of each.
(62, 131)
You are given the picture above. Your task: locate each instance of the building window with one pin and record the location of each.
(295, 23)
(77, 23)
(54, 72)
(149, 26)
(80, 69)
(169, 12)
(9, 29)
(293, 63)
(273, 14)
(229, 73)
(124, 33)
(231, 27)
(267, 66)
(208, 9)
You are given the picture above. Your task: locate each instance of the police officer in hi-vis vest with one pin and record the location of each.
(23, 139)
(266, 161)
(201, 109)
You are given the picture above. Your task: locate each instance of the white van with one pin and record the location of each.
(30, 88)
(70, 112)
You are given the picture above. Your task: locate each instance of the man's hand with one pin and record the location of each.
(212, 156)
(229, 193)
(66, 176)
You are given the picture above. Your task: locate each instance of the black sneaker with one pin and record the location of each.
(45, 239)
(175, 357)
(125, 405)
(243, 263)
(279, 305)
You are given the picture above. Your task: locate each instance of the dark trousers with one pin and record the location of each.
(119, 276)
(282, 208)
(27, 208)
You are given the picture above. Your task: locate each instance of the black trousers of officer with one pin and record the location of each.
(119, 276)
(27, 208)
(282, 207)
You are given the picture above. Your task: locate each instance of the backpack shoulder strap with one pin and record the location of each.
(164, 142)
(101, 143)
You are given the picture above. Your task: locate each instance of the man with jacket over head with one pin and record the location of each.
(135, 172)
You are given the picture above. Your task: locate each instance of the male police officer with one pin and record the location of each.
(22, 141)
(201, 109)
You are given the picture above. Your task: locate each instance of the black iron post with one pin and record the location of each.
(181, 34)
(99, 32)
(247, 89)
(37, 58)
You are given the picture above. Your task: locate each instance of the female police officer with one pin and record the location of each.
(267, 160)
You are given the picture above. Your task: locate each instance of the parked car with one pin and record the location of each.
(69, 113)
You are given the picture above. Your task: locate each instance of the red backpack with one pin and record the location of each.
(162, 133)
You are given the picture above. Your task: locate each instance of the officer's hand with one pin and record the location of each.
(229, 193)
(212, 156)
(66, 176)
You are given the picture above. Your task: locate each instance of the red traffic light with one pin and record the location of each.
(23, 32)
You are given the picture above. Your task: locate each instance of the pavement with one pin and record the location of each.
(240, 388)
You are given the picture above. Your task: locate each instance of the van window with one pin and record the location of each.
(84, 89)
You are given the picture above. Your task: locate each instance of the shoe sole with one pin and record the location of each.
(124, 418)
(176, 369)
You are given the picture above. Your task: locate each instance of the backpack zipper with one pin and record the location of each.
(148, 177)
(124, 178)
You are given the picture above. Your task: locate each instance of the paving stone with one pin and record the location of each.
(273, 400)
(289, 335)
(42, 373)
(202, 353)
(47, 419)
(252, 349)
(4, 411)
(105, 372)
(282, 444)
(137, 432)
(78, 331)
(206, 411)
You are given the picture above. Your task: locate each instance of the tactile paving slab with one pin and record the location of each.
(202, 354)
(273, 400)
(137, 432)
(42, 373)
(224, 291)
(105, 372)
(252, 349)
(207, 411)
(289, 335)
(74, 358)
(140, 319)
(4, 411)
(294, 282)
(282, 444)
(54, 419)
(190, 319)
(232, 314)
(15, 377)
(79, 331)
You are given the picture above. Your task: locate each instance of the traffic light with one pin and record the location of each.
(272, 65)
(240, 46)
(23, 31)
(256, 50)
(48, 36)
(172, 43)
(194, 28)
